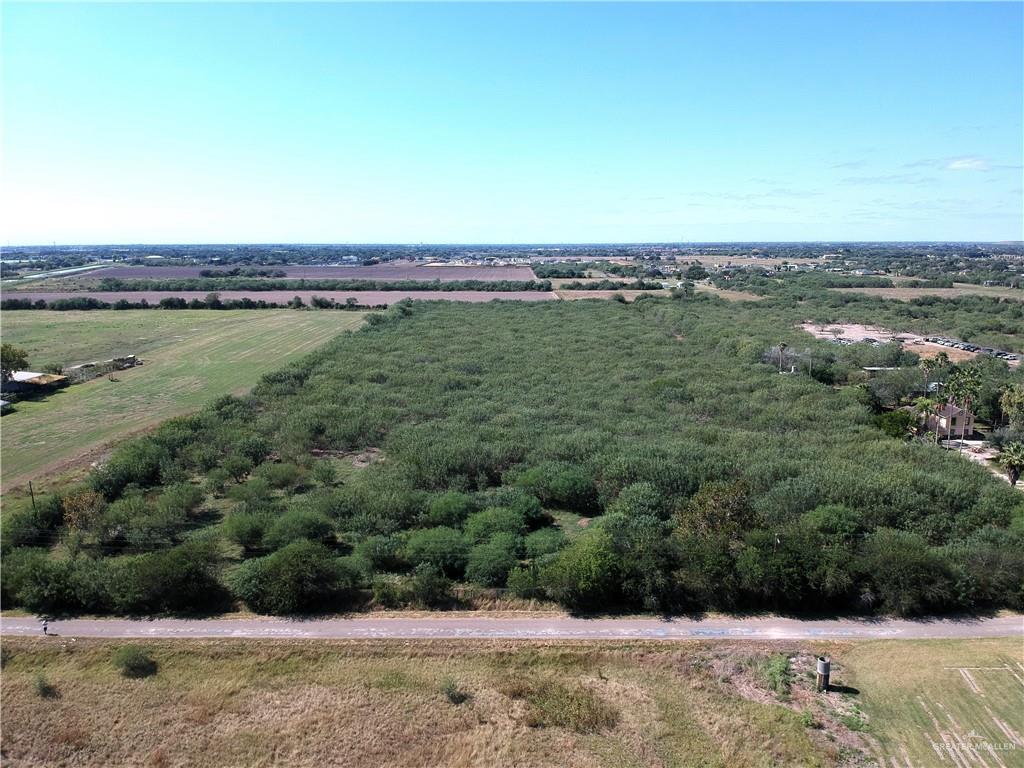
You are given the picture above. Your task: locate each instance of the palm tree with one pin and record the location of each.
(964, 386)
(782, 353)
(929, 366)
(923, 406)
(1012, 460)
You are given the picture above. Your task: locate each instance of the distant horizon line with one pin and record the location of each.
(493, 244)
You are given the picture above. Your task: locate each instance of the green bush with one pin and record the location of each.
(281, 475)
(453, 693)
(449, 509)
(303, 577)
(324, 473)
(560, 485)
(298, 524)
(481, 526)
(181, 579)
(544, 541)
(246, 528)
(428, 587)
(133, 661)
(443, 547)
(585, 574)
(489, 563)
(44, 688)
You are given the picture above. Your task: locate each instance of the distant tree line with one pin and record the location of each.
(212, 301)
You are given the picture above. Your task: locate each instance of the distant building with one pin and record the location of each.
(950, 421)
(874, 370)
(30, 381)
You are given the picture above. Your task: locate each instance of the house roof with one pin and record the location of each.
(31, 377)
(24, 375)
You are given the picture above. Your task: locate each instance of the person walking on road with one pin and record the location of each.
(46, 625)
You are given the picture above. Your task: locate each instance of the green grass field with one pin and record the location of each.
(190, 357)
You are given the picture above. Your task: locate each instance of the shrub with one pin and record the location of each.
(247, 528)
(442, 547)
(254, 493)
(30, 526)
(776, 673)
(481, 526)
(428, 586)
(544, 542)
(324, 473)
(237, 467)
(300, 578)
(43, 688)
(47, 585)
(453, 693)
(564, 486)
(298, 524)
(384, 553)
(182, 498)
(389, 591)
(550, 704)
(489, 563)
(449, 509)
(137, 462)
(639, 499)
(585, 574)
(909, 577)
(216, 480)
(181, 579)
(133, 661)
(284, 476)
(524, 582)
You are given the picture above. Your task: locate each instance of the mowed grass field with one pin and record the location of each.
(943, 703)
(190, 357)
(896, 703)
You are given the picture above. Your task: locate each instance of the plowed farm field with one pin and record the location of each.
(363, 298)
(404, 271)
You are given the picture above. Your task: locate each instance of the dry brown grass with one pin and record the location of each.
(234, 703)
(725, 293)
(630, 296)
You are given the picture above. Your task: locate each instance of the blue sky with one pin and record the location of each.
(511, 123)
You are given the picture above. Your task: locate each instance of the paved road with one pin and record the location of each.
(534, 627)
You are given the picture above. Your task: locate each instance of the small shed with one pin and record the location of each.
(32, 381)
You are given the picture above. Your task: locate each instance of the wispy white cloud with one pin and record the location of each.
(970, 163)
(893, 178)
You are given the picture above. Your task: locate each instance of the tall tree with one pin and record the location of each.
(12, 359)
(1012, 404)
(964, 385)
(1012, 460)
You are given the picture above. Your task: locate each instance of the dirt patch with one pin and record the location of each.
(629, 296)
(854, 332)
(727, 294)
(829, 715)
(927, 349)
(366, 458)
